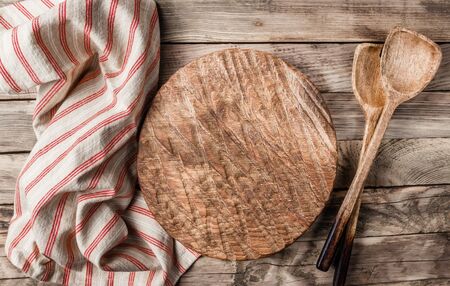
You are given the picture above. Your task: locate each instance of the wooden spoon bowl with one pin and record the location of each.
(410, 62)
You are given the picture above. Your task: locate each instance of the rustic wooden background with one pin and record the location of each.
(404, 228)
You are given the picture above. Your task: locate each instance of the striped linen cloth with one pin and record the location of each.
(78, 217)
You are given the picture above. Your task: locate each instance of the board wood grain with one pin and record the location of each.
(230, 138)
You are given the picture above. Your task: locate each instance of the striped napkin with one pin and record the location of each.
(78, 217)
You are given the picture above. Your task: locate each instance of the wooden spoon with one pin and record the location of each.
(368, 90)
(408, 63)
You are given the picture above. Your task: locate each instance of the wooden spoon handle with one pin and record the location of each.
(346, 209)
(340, 273)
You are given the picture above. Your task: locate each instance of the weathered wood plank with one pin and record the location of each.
(298, 21)
(15, 126)
(8, 271)
(218, 279)
(405, 162)
(426, 116)
(257, 273)
(10, 166)
(297, 261)
(329, 66)
(402, 211)
(19, 281)
(425, 282)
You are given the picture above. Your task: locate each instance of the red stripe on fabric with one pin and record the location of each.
(111, 192)
(80, 168)
(8, 78)
(88, 28)
(66, 277)
(110, 39)
(48, 3)
(105, 230)
(133, 28)
(180, 267)
(98, 174)
(56, 224)
(110, 278)
(80, 139)
(85, 135)
(161, 246)
(55, 88)
(23, 10)
(150, 278)
(142, 249)
(66, 135)
(150, 239)
(91, 75)
(47, 271)
(78, 104)
(142, 211)
(193, 252)
(5, 23)
(100, 155)
(133, 260)
(105, 193)
(70, 255)
(166, 279)
(62, 33)
(30, 259)
(88, 278)
(22, 58)
(131, 278)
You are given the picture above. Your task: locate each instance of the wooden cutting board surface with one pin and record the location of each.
(237, 155)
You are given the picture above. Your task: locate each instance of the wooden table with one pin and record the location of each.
(403, 233)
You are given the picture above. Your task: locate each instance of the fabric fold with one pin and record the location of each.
(78, 215)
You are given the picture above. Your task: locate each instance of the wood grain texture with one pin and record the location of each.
(328, 65)
(229, 139)
(298, 21)
(385, 212)
(404, 228)
(426, 116)
(400, 162)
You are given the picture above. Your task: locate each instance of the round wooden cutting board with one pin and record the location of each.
(237, 155)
